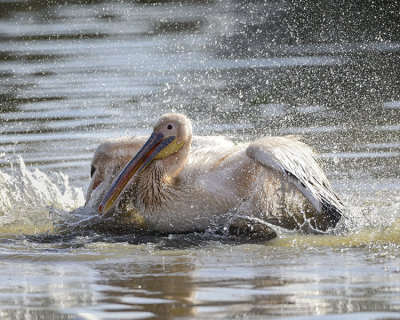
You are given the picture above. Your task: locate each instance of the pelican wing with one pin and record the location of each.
(300, 165)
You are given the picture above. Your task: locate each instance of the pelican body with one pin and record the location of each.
(169, 184)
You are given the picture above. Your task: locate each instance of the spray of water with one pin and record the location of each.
(27, 196)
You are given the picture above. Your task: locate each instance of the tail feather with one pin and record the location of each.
(334, 211)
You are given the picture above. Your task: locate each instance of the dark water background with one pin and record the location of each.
(73, 73)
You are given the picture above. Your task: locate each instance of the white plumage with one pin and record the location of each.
(276, 179)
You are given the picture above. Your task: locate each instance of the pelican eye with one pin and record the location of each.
(92, 171)
(169, 127)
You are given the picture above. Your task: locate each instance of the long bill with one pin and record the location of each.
(156, 143)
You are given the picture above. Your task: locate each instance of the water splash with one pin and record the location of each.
(33, 202)
(26, 197)
(372, 221)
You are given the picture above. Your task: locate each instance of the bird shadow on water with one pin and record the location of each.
(83, 227)
(78, 229)
(79, 239)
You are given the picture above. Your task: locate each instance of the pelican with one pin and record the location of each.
(171, 184)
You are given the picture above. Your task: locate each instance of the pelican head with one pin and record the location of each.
(169, 144)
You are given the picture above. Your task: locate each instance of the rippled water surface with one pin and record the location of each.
(73, 73)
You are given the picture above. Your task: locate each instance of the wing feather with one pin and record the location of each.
(300, 165)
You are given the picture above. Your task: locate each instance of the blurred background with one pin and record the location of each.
(75, 72)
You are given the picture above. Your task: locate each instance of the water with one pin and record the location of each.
(72, 74)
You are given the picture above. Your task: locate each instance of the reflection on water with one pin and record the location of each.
(106, 280)
(73, 73)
